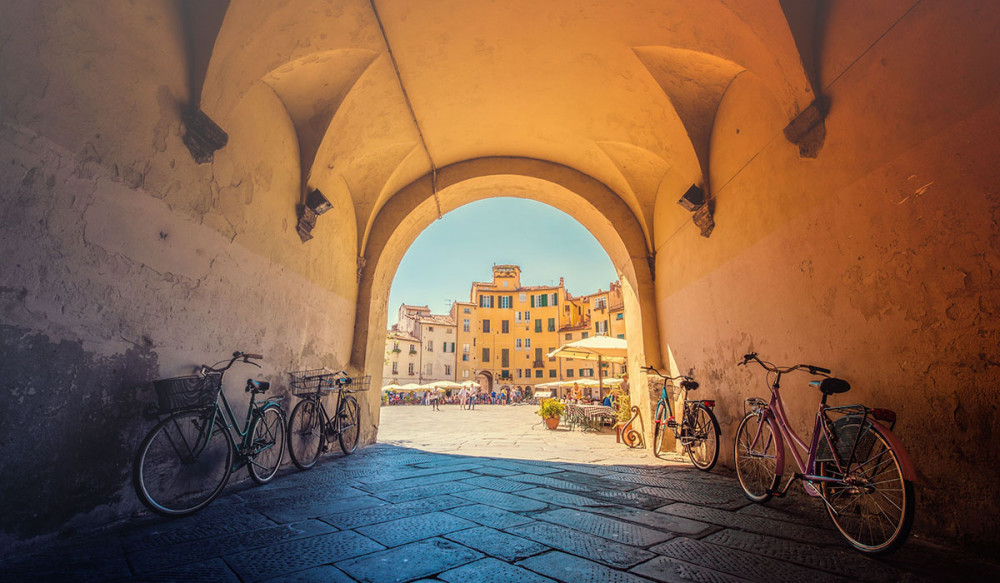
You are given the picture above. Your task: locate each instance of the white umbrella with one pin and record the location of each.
(600, 348)
(471, 384)
(444, 385)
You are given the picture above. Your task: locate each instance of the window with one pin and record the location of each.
(527, 372)
(466, 311)
(465, 374)
(551, 358)
(411, 369)
(622, 336)
(486, 354)
(395, 368)
(465, 358)
(523, 297)
(600, 303)
(517, 343)
(538, 357)
(465, 349)
(486, 325)
(505, 374)
(430, 346)
(449, 347)
(552, 374)
(527, 342)
(539, 373)
(429, 369)
(584, 335)
(517, 317)
(538, 325)
(466, 325)
(505, 357)
(555, 298)
(586, 372)
(552, 324)
(430, 328)
(601, 327)
(619, 316)
(505, 301)
(485, 301)
(447, 370)
(505, 326)
(518, 373)
(569, 373)
(569, 336)
(527, 316)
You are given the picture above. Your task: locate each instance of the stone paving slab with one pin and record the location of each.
(212, 521)
(845, 562)
(498, 484)
(288, 557)
(658, 520)
(497, 472)
(570, 569)
(414, 528)
(753, 566)
(634, 499)
(213, 571)
(321, 574)
(552, 482)
(562, 498)
(667, 570)
(582, 544)
(605, 527)
(497, 544)
(409, 562)
(159, 558)
(502, 500)
(796, 532)
(521, 467)
(97, 560)
(491, 571)
(489, 516)
(365, 516)
(382, 487)
(303, 507)
(727, 499)
(422, 492)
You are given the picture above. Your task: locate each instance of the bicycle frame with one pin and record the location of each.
(806, 459)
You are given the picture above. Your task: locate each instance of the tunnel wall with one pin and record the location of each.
(877, 259)
(123, 261)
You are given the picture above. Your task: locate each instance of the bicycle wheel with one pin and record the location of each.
(305, 434)
(703, 447)
(183, 463)
(756, 457)
(659, 428)
(350, 424)
(267, 445)
(874, 508)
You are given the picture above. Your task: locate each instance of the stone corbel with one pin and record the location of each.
(694, 200)
(808, 129)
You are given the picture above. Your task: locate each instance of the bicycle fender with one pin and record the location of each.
(905, 464)
(275, 400)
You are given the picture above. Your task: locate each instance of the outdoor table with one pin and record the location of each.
(596, 414)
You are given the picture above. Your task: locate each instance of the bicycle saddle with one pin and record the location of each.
(690, 385)
(257, 386)
(832, 386)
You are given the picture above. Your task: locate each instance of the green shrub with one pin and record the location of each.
(551, 408)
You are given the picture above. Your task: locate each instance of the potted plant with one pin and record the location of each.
(551, 410)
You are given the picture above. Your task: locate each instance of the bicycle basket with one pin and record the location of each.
(190, 392)
(311, 381)
(851, 424)
(356, 384)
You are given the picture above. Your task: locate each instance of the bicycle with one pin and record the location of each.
(853, 462)
(310, 427)
(183, 464)
(698, 430)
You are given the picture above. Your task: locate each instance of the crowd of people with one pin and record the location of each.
(467, 397)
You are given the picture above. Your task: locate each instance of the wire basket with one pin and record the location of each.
(850, 424)
(190, 392)
(312, 381)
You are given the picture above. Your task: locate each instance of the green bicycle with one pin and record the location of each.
(185, 461)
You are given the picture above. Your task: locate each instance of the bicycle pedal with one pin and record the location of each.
(671, 423)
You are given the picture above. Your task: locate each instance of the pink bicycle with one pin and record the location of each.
(852, 462)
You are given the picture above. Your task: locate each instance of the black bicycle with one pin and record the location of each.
(185, 461)
(698, 430)
(310, 428)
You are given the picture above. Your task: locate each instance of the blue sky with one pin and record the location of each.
(463, 245)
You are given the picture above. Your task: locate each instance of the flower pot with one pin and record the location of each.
(552, 422)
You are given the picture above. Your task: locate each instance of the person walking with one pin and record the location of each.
(473, 395)
(435, 398)
(463, 395)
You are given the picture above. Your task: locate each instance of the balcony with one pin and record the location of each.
(537, 364)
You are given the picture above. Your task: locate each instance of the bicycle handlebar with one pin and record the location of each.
(812, 368)
(665, 377)
(246, 356)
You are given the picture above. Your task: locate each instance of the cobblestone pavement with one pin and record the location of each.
(489, 496)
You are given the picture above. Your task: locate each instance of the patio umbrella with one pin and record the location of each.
(444, 385)
(471, 384)
(600, 348)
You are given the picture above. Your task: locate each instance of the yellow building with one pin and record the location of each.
(514, 327)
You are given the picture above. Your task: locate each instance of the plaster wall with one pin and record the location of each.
(122, 261)
(879, 259)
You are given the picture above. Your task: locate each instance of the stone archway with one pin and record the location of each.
(611, 221)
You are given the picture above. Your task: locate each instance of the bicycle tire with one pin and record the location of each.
(704, 427)
(659, 428)
(875, 517)
(305, 434)
(267, 446)
(179, 467)
(349, 415)
(758, 477)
